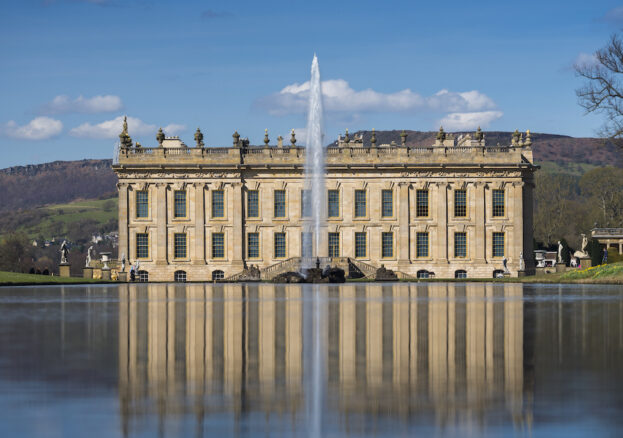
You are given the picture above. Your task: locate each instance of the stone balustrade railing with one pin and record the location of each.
(383, 155)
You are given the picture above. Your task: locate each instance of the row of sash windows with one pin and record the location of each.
(333, 203)
(180, 249)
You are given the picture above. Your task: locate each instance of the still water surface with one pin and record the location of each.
(288, 360)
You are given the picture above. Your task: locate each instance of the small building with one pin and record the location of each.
(609, 237)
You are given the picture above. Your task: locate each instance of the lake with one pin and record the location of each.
(359, 360)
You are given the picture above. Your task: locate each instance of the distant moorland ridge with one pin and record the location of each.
(26, 187)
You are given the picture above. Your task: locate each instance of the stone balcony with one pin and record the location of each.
(336, 156)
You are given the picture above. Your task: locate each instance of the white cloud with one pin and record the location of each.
(585, 60)
(469, 120)
(339, 96)
(112, 128)
(614, 15)
(97, 104)
(39, 128)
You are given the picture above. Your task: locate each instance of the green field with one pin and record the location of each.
(76, 219)
(15, 278)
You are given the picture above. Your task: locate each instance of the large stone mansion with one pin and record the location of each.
(454, 209)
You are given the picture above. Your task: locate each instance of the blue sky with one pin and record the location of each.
(71, 69)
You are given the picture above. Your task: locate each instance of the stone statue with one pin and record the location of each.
(559, 260)
(64, 253)
(89, 256)
(505, 263)
(522, 263)
(122, 262)
(582, 253)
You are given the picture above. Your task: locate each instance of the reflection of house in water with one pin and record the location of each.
(453, 350)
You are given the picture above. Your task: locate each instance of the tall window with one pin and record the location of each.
(179, 243)
(360, 203)
(387, 245)
(421, 242)
(421, 203)
(460, 245)
(280, 245)
(498, 244)
(306, 203)
(142, 246)
(218, 203)
(360, 244)
(179, 203)
(307, 249)
(280, 203)
(460, 203)
(387, 203)
(253, 245)
(334, 244)
(253, 203)
(218, 245)
(333, 198)
(142, 203)
(498, 203)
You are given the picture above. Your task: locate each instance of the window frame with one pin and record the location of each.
(359, 234)
(337, 203)
(357, 204)
(464, 234)
(329, 244)
(257, 204)
(136, 238)
(212, 204)
(175, 204)
(383, 247)
(304, 246)
(417, 244)
(285, 245)
(310, 206)
(136, 203)
(498, 234)
(457, 206)
(418, 207)
(212, 246)
(175, 246)
(259, 252)
(495, 208)
(285, 204)
(391, 200)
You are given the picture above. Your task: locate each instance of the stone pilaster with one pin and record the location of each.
(441, 250)
(237, 220)
(200, 238)
(479, 215)
(403, 221)
(517, 221)
(161, 220)
(123, 221)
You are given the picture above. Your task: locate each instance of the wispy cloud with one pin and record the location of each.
(614, 16)
(112, 128)
(39, 128)
(585, 60)
(211, 14)
(339, 96)
(469, 120)
(87, 105)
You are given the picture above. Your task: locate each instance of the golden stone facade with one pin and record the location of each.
(456, 208)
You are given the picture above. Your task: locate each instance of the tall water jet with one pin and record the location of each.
(315, 160)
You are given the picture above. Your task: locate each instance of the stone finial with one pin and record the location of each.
(160, 136)
(373, 138)
(124, 138)
(280, 141)
(199, 138)
(528, 141)
(266, 139)
(441, 135)
(479, 135)
(236, 137)
(293, 138)
(403, 138)
(515, 138)
(346, 137)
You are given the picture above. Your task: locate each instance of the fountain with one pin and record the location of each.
(314, 161)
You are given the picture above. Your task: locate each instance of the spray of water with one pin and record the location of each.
(314, 162)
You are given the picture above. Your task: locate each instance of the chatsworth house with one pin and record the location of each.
(455, 209)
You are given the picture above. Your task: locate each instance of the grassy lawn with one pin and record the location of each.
(16, 278)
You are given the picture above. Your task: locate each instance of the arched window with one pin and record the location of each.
(180, 276)
(218, 275)
(460, 273)
(498, 273)
(143, 276)
(423, 274)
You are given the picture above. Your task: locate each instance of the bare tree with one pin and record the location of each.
(603, 90)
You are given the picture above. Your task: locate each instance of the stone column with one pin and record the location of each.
(403, 221)
(200, 239)
(517, 221)
(441, 252)
(161, 218)
(238, 232)
(123, 221)
(480, 205)
(527, 231)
